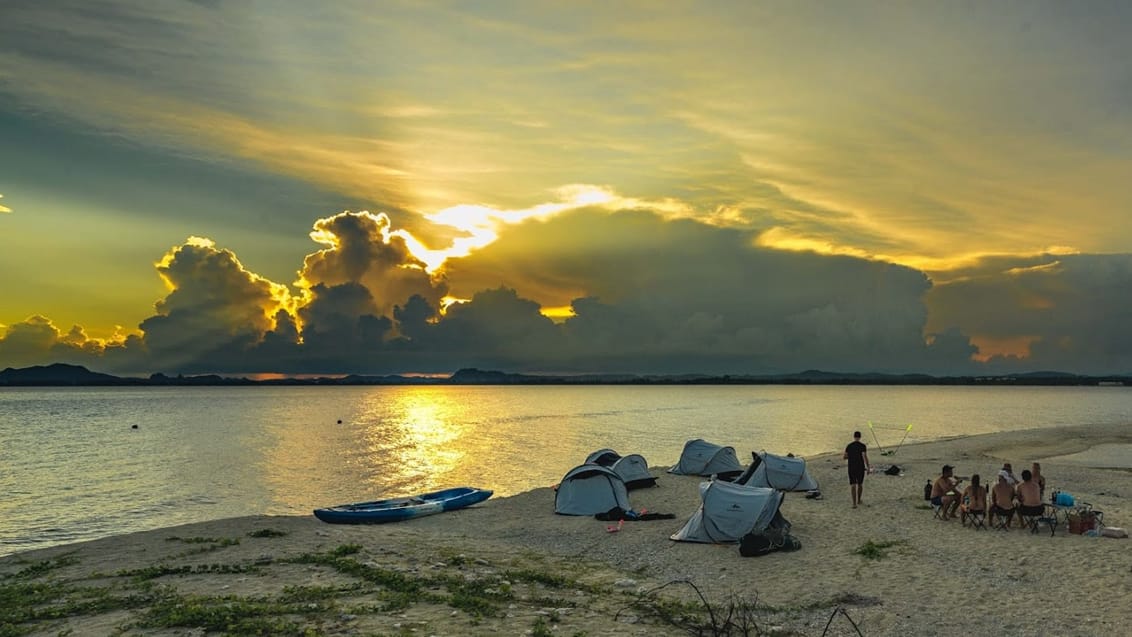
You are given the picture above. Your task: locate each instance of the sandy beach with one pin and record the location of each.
(511, 566)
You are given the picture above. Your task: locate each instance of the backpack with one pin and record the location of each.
(754, 545)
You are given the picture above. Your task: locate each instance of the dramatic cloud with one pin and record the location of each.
(1059, 312)
(646, 294)
(4, 209)
(214, 310)
(683, 296)
(660, 179)
(363, 251)
(36, 341)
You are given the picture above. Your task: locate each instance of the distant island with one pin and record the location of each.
(63, 375)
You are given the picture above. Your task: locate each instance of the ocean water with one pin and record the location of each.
(83, 463)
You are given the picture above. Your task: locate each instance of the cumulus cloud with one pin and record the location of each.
(362, 249)
(36, 341)
(3, 208)
(215, 308)
(678, 296)
(647, 294)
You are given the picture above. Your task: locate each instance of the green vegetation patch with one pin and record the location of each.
(231, 614)
(266, 533)
(871, 550)
(31, 601)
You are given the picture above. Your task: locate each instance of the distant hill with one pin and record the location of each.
(60, 374)
(57, 374)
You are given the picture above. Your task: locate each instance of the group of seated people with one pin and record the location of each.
(1009, 498)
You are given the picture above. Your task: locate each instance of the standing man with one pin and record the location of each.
(857, 455)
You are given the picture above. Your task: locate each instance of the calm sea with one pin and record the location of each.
(82, 463)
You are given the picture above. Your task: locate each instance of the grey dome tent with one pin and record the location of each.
(603, 457)
(634, 470)
(702, 458)
(590, 489)
(785, 473)
(729, 511)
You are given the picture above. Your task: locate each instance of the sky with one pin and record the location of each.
(286, 187)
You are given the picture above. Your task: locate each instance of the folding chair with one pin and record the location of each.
(937, 510)
(1034, 521)
(975, 519)
(998, 521)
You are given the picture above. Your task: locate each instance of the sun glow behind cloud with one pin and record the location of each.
(4, 209)
(479, 224)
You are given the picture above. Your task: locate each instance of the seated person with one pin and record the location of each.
(974, 499)
(1029, 495)
(1008, 472)
(1002, 500)
(944, 494)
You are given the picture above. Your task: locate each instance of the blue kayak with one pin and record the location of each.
(396, 509)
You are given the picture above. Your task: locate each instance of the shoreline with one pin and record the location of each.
(934, 578)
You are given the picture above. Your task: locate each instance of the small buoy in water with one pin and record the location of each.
(133, 427)
(339, 421)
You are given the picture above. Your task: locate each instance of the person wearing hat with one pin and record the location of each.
(945, 492)
(1007, 472)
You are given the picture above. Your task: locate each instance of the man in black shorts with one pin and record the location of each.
(857, 455)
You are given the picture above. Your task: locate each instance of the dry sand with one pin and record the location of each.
(937, 578)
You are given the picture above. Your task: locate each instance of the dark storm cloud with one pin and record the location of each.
(1073, 309)
(679, 296)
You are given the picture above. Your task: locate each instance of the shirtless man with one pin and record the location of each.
(1029, 495)
(1002, 500)
(944, 492)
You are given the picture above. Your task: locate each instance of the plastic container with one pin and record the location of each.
(1064, 499)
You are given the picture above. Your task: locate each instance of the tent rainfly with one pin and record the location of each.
(729, 511)
(634, 470)
(785, 473)
(589, 489)
(702, 458)
(603, 457)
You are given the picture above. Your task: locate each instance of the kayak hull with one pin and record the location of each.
(397, 509)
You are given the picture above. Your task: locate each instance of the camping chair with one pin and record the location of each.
(937, 510)
(1034, 521)
(974, 519)
(998, 521)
